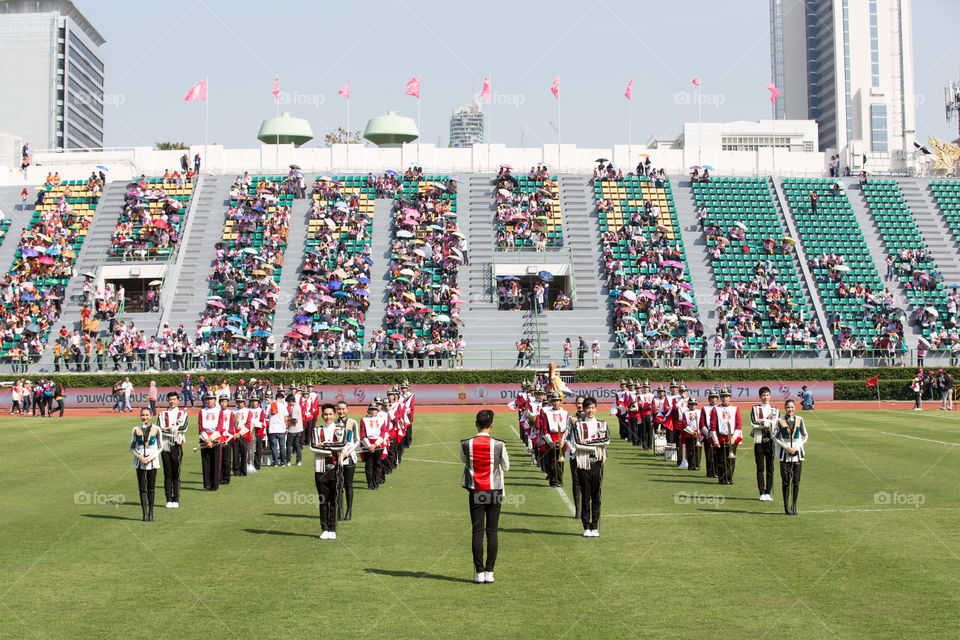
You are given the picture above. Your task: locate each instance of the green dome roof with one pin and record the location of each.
(285, 129)
(391, 129)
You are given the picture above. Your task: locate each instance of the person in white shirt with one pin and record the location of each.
(294, 430)
(173, 424)
(277, 414)
(127, 389)
(485, 461)
(145, 447)
(587, 442)
(763, 419)
(329, 443)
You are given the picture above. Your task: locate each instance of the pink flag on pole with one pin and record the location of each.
(629, 92)
(197, 92)
(774, 92)
(276, 89)
(696, 81)
(555, 89)
(485, 91)
(413, 87)
(345, 91)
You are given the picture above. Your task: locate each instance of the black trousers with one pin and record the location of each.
(226, 462)
(590, 481)
(408, 436)
(633, 430)
(790, 482)
(484, 519)
(347, 487)
(709, 457)
(723, 463)
(693, 453)
(372, 468)
(553, 465)
(328, 488)
(210, 464)
(257, 451)
(623, 427)
(575, 484)
(646, 432)
(171, 472)
(147, 482)
(240, 457)
(763, 454)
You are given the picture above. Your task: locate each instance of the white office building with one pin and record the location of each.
(466, 126)
(51, 72)
(848, 64)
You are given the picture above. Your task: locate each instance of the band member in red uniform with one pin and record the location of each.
(310, 409)
(588, 444)
(409, 399)
(633, 413)
(258, 427)
(690, 435)
(727, 433)
(621, 403)
(327, 443)
(645, 400)
(661, 409)
(241, 440)
(373, 446)
(173, 425)
(521, 405)
(706, 423)
(763, 421)
(227, 435)
(395, 414)
(679, 402)
(533, 412)
(551, 425)
(210, 426)
(485, 461)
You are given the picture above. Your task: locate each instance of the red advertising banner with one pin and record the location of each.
(463, 394)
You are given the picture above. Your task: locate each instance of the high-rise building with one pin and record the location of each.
(848, 64)
(51, 72)
(466, 126)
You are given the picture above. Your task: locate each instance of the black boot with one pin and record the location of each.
(339, 510)
(150, 496)
(796, 492)
(348, 514)
(786, 500)
(143, 506)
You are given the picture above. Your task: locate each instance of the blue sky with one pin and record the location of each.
(156, 51)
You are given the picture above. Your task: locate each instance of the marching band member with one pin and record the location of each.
(673, 429)
(310, 409)
(572, 421)
(227, 435)
(373, 439)
(485, 461)
(395, 413)
(350, 461)
(633, 413)
(258, 425)
(706, 420)
(533, 412)
(519, 404)
(210, 425)
(384, 416)
(790, 435)
(551, 425)
(588, 443)
(173, 424)
(690, 435)
(763, 420)
(241, 429)
(327, 443)
(645, 400)
(661, 410)
(621, 403)
(145, 447)
(408, 398)
(676, 417)
(727, 433)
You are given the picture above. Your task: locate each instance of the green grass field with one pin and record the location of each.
(856, 562)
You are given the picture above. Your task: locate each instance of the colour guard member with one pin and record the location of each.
(145, 447)
(790, 436)
(173, 426)
(588, 442)
(763, 421)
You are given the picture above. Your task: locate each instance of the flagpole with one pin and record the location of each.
(699, 124)
(276, 99)
(206, 118)
(558, 131)
(629, 131)
(489, 120)
(348, 124)
(419, 130)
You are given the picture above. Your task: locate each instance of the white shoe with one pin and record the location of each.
(480, 578)
(488, 576)
(325, 535)
(299, 464)
(333, 535)
(595, 533)
(176, 505)
(587, 533)
(169, 505)
(683, 465)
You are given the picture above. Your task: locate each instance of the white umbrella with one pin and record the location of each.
(740, 224)
(842, 267)
(923, 340)
(630, 295)
(310, 307)
(932, 311)
(505, 193)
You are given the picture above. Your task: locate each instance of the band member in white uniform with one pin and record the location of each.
(588, 444)
(551, 427)
(373, 443)
(145, 447)
(706, 423)
(226, 438)
(690, 434)
(349, 462)
(209, 425)
(327, 443)
(485, 461)
(727, 433)
(763, 420)
(790, 436)
(173, 426)
(241, 441)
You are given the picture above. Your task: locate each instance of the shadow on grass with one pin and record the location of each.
(549, 533)
(416, 574)
(756, 513)
(104, 516)
(292, 515)
(533, 515)
(271, 532)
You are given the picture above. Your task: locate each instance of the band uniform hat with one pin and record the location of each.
(713, 394)
(208, 397)
(553, 395)
(373, 405)
(725, 393)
